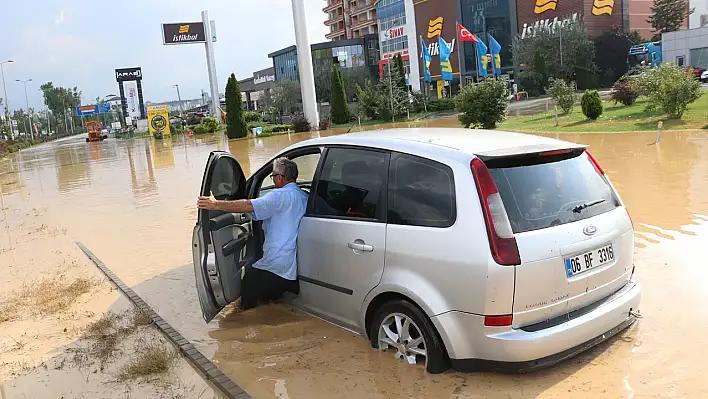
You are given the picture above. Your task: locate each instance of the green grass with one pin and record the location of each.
(615, 118)
(413, 117)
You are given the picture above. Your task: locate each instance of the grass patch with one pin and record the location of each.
(44, 297)
(140, 318)
(151, 359)
(615, 118)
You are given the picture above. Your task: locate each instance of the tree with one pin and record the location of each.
(669, 89)
(340, 112)
(235, 123)
(368, 101)
(668, 16)
(282, 99)
(611, 49)
(395, 99)
(61, 102)
(484, 104)
(322, 70)
(563, 94)
(541, 55)
(401, 69)
(591, 104)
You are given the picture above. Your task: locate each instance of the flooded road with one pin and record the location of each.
(132, 203)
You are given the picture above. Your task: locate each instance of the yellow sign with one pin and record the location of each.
(440, 86)
(435, 27)
(600, 7)
(545, 5)
(183, 28)
(158, 119)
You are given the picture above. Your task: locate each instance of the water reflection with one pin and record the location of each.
(146, 184)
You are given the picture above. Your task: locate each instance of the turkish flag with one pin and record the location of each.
(465, 35)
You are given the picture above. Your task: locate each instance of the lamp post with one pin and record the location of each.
(27, 104)
(7, 113)
(179, 98)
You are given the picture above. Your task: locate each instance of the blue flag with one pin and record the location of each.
(445, 67)
(496, 58)
(427, 59)
(482, 58)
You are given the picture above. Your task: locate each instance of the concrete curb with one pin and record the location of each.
(200, 363)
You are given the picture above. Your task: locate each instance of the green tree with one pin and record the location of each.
(401, 69)
(235, 123)
(611, 49)
(668, 16)
(668, 88)
(340, 112)
(368, 101)
(282, 99)
(563, 94)
(484, 104)
(591, 103)
(540, 54)
(61, 101)
(394, 100)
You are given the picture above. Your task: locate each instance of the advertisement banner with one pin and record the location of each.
(158, 119)
(598, 16)
(435, 19)
(132, 100)
(183, 33)
(127, 74)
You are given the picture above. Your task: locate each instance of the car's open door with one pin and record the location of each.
(219, 239)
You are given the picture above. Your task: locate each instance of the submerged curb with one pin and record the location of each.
(205, 366)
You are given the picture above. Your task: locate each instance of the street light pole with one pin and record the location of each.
(179, 98)
(27, 104)
(7, 112)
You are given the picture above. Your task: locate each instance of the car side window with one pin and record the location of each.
(421, 192)
(306, 166)
(351, 184)
(224, 184)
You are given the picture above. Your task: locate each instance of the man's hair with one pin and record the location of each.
(285, 167)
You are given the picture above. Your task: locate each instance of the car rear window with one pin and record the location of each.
(538, 194)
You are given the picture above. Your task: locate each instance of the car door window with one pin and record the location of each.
(351, 184)
(421, 192)
(225, 182)
(306, 166)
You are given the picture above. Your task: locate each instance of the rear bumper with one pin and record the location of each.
(472, 346)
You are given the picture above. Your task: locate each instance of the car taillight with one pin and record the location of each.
(501, 237)
(498, 321)
(594, 163)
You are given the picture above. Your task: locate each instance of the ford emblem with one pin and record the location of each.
(590, 230)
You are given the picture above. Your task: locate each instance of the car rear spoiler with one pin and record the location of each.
(531, 154)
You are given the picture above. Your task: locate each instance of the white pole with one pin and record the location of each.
(304, 60)
(7, 112)
(211, 65)
(414, 77)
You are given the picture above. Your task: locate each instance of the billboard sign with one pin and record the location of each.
(83, 110)
(538, 15)
(434, 19)
(158, 119)
(183, 33)
(126, 74)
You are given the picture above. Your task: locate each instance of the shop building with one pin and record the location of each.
(350, 19)
(253, 88)
(397, 36)
(686, 47)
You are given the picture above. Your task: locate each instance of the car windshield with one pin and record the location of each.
(543, 194)
(636, 59)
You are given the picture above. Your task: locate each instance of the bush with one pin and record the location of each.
(194, 121)
(532, 83)
(668, 88)
(200, 129)
(443, 104)
(325, 122)
(591, 104)
(563, 94)
(301, 124)
(209, 124)
(483, 104)
(624, 92)
(252, 116)
(420, 102)
(368, 103)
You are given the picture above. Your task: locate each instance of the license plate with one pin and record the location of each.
(583, 262)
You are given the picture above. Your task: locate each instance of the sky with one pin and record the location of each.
(80, 43)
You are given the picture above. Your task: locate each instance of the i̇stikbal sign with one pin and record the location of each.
(530, 30)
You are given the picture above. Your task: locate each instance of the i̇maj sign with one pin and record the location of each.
(158, 119)
(183, 33)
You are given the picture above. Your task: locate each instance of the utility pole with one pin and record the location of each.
(304, 59)
(211, 65)
(29, 117)
(179, 98)
(7, 112)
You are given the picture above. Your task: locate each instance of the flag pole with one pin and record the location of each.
(476, 60)
(459, 57)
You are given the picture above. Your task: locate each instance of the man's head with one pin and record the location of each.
(284, 172)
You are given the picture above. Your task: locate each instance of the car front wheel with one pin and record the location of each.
(403, 329)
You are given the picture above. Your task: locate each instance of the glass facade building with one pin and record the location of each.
(484, 18)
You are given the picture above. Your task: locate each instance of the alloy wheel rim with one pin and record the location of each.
(400, 332)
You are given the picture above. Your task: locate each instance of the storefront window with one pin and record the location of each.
(483, 17)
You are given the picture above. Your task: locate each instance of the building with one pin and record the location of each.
(358, 58)
(350, 19)
(397, 35)
(686, 47)
(253, 88)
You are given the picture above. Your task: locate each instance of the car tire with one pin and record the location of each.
(435, 355)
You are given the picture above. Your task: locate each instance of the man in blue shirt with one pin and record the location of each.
(281, 211)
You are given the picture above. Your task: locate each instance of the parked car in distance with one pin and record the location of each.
(704, 76)
(467, 248)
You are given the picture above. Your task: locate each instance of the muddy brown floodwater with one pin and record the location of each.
(132, 203)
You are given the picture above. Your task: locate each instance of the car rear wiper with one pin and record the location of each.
(580, 207)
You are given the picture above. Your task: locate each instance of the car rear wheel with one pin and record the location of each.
(402, 328)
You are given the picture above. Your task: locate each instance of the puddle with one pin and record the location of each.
(132, 203)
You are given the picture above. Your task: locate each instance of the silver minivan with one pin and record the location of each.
(480, 250)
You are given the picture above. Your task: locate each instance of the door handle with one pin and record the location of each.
(361, 246)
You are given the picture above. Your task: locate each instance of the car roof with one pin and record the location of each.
(477, 142)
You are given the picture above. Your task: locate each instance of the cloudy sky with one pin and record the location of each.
(80, 43)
